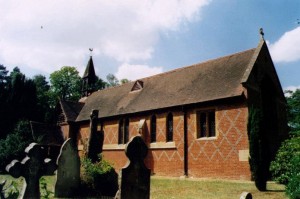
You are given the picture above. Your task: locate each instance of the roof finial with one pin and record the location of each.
(261, 32)
(91, 50)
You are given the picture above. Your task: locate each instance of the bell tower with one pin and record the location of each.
(89, 79)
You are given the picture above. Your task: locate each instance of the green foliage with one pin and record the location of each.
(293, 107)
(99, 178)
(293, 186)
(65, 84)
(45, 192)
(112, 80)
(17, 100)
(15, 143)
(43, 99)
(281, 167)
(286, 166)
(100, 84)
(124, 81)
(257, 160)
(11, 191)
(3, 74)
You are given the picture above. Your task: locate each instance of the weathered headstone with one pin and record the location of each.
(68, 171)
(135, 177)
(95, 142)
(32, 168)
(246, 195)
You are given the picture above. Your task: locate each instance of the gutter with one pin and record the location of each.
(185, 142)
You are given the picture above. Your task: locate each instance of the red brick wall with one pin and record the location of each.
(83, 138)
(219, 157)
(213, 157)
(167, 161)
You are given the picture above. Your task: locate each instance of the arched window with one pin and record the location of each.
(153, 128)
(169, 127)
(120, 133)
(126, 131)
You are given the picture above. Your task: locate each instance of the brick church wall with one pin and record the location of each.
(223, 156)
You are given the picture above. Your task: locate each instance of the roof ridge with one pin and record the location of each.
(177, 69)
(196, 64)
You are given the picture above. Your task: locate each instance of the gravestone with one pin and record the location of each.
(32, 168)
(135, 177)
(95, 142)
(68, 171)
(246, 195)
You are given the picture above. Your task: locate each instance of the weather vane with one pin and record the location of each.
(91, 50)
(261, 32)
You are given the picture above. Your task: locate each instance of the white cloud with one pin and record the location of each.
(46, 35)
(134, 72)
(290, 88)
(287, 48)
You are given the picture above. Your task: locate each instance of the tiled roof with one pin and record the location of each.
(211, 80)
(70, 110)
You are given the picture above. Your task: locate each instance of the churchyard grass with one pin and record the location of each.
(174, 188)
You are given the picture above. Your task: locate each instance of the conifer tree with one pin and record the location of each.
(257, 160)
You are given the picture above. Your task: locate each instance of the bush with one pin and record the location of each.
(281, 167)
(15, 143)
(293, 186)
(99, 179)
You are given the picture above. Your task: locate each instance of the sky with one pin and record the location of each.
(139, 38)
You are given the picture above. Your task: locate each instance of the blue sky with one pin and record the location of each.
(138, 38)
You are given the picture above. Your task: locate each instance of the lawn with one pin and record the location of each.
(174, 188)
(210, 189)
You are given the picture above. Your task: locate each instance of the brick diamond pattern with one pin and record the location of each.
(228, 139)
(111, 135)
(171, 155)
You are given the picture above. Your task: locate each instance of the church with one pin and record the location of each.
(193, 119)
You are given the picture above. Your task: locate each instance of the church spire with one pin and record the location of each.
(89, 79)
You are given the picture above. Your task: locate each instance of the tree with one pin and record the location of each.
(100, 84)
(293, 186)
(43, 99)
(14, 144)
(293, 109)
(285, 167)
(3, 84)
(65, 84)
(282, 166)
(18, 101)
(124, 81)
(257, 160)
(3, 100)
(3, 74)
(112, 80)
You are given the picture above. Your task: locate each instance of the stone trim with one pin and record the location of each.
(207, 138)
(108, 147)
(162, 145)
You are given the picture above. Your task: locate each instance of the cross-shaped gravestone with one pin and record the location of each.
(135, 180)
(95, 142)
(32, 168)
